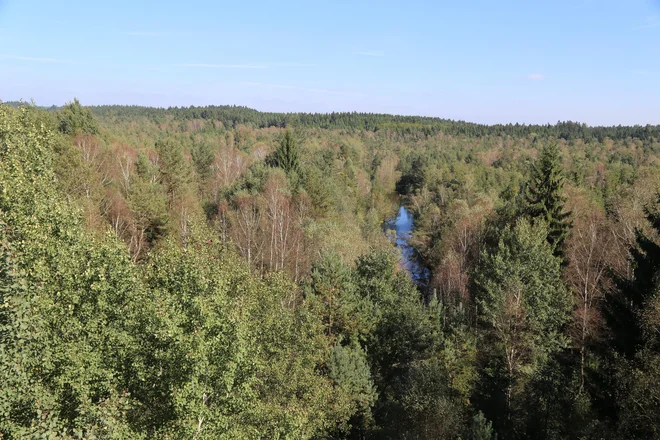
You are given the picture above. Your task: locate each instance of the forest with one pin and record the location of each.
(223, 273)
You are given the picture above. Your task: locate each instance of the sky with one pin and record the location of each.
(527, 61)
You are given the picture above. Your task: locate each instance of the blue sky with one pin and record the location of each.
(484, 61)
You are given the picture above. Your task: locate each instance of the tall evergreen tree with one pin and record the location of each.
(174, 169)
(202, 158)
(287, 155)
(523, 305)
(545, 199)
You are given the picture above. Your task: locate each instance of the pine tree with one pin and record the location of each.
(545, 199)
(287, 155)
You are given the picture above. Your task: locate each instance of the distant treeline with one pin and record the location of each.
(17, 104)
(231, 116)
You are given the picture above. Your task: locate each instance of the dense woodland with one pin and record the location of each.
(219, 272)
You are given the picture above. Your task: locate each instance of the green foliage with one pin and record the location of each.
(414, 365)
(149, 208)
(232, 116)
(172, 335)
(638, 395)
(420, 373)
(520, 280)
(332, 295)
(633, 316)
(235, 361)
(144, 168)
(422, 404)
(194, 347)
(320, 190)
(523, 305)
(174, 169)
(65, 341)
(545, 200)
(481, 428)
(287, 155)
(74, 119)
(202, 157)
(626, 306)
(349, 369)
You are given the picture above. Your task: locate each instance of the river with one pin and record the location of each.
(402, 227)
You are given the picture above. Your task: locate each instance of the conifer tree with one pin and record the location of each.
(545, 199)
(523, 305)
(174, 170)
(75, 119)
(202, 158)
(287, 155)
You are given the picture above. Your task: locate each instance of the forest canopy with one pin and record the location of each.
(231, 116)
(219, 272)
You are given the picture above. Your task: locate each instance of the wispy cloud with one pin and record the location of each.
(303, 89)
(650, 22)
(223, 66)
(37, 60)
(376, 53)
(536, 76)
(13, 68)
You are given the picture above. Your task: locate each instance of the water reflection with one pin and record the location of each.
(402, 227)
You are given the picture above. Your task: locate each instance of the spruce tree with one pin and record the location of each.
(174, 169)
(287, 155)
(523, 305)
(545, 199)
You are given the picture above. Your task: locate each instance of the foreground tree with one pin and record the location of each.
(69, 303)
(522, 307)
(238, 357)
(633, 318)
(590, 250)
(625, 305)
(422, 374)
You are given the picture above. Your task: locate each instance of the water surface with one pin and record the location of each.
(402, 226)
